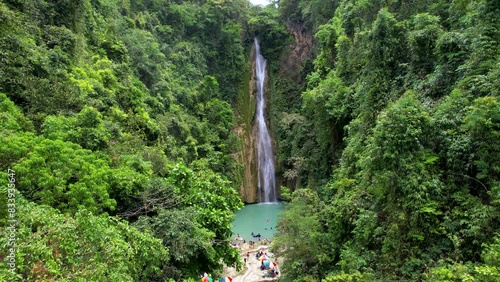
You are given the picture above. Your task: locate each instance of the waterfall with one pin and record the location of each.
(265, 157)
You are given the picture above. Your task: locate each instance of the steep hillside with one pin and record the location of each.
(394, 141)
(117, 121)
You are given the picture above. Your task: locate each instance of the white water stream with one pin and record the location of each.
(265, 156)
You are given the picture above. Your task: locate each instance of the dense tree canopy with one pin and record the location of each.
(397, 139)
(117, 114)
(119, 122)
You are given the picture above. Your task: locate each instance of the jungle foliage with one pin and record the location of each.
(117, 127)
(394, 142)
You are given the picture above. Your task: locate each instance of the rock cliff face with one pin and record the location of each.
(292, 72)
(246, 132)
(299, 51)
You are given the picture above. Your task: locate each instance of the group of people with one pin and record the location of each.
(250, 243)
(259, 254)
(267, 264)
(256, 235)
(274, 272)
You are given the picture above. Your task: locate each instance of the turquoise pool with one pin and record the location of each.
(257, 218)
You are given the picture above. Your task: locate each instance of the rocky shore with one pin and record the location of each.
(251, 272)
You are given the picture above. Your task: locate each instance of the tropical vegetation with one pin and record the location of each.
(394, 143)
(120, 146)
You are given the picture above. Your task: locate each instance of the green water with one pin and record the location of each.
(257, 218)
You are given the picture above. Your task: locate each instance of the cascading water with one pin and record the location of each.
(265, 157)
